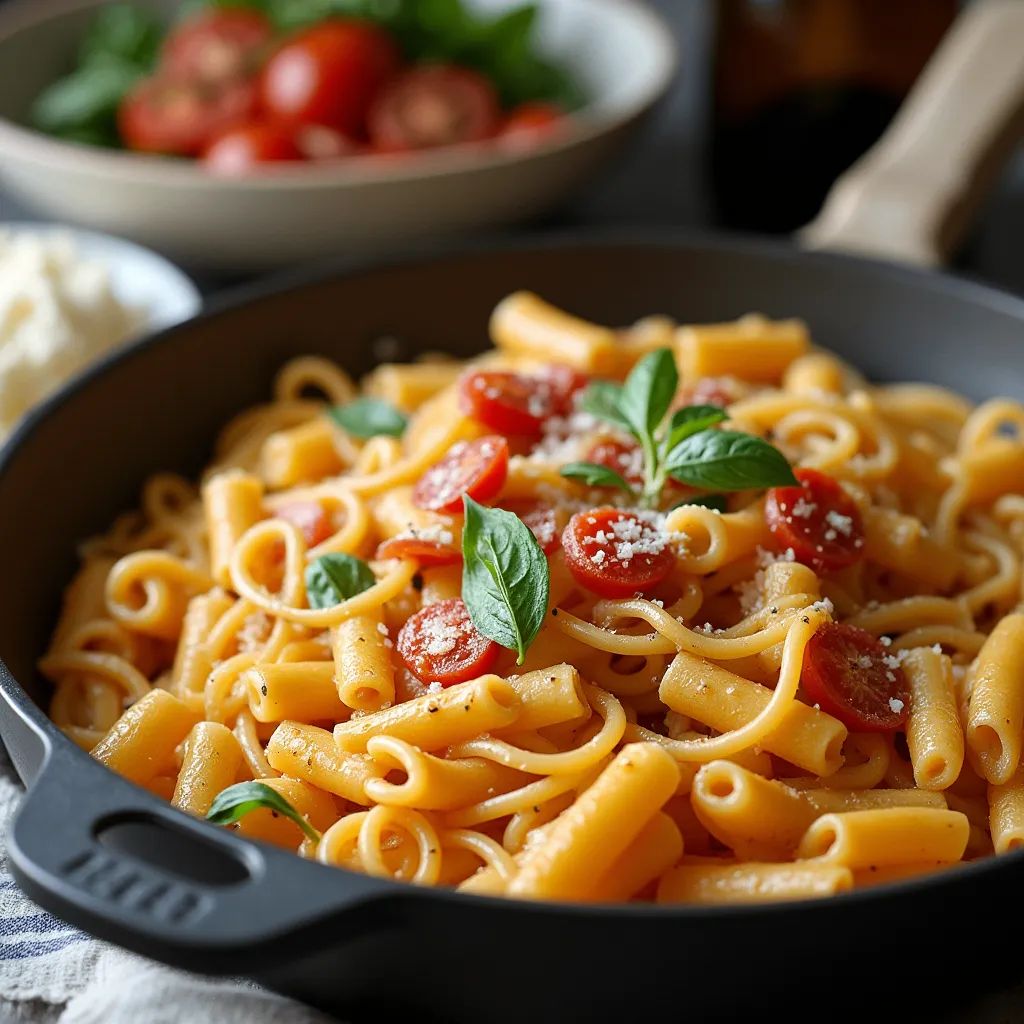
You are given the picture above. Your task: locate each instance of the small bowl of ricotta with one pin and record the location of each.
(67, 298)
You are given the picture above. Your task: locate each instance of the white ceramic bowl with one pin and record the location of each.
(622, 53)
(138, 277)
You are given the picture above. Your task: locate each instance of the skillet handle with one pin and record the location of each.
(912, 196)
(123, 865)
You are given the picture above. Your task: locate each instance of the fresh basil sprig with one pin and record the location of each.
(687, 449)
(369, 417)
(333, 578)
(236, 801)
(505, 577)
(594, 475)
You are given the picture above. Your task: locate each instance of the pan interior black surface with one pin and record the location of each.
(83, 460)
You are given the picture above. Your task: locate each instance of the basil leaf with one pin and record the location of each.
(369, 417)
(716, 501)
(692, 420)
(648, 392)
(238, 800)
(123, 31)
(594, 475)
(86, 99)
(724, 460)
(331, 579)
(601, 399)
(505, 577)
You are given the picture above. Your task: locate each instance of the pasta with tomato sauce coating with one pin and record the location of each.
(691, 614)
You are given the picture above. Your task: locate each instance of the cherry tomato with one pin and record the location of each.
(440, 644)
(565, 382)
(539, 516)
(426, 552)
(818, 520)
(625, 457)
(532, 121)
(720, 391)
(161, 115)
(852, 677)
(431, 106)
(217, 46)
(515, 403)
(614, 553)
(309, 518)
(477, 468)
(329, 75)
(240, 150)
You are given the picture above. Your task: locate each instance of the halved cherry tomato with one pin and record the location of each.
(852, 677)
(217, 45)
(329, 74)
(818, 520)
(720, 391)
(477, 468)
(309, 518)
(539, 516)
(517, 404)
(161, 115)
(436, 105)
(616, 554)
(625, 457)
(426, 552)
(440, 644)
(565, 382)
(239, 150)
(533, 120)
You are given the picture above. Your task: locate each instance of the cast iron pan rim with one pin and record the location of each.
(295, 281)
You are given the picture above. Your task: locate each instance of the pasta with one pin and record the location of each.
(561, 622)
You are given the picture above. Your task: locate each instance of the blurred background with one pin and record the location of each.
(772, 100)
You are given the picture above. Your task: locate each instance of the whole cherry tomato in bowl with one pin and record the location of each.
(329, 75)
(217, 46)
(434, 105)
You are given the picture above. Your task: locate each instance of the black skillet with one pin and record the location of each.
(122, 865)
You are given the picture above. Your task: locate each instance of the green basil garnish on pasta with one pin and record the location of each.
(331, 579)
(594, 475)
(648, 393)
(690, 420)
(724, 460)
(369, 417)
(687, 449)
(237, 801)
(601, 399)
(505, 577)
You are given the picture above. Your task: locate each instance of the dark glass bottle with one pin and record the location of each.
(802, 88)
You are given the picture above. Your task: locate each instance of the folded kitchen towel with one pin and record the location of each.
(51, 973)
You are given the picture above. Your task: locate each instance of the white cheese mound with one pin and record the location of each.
(58, 313)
